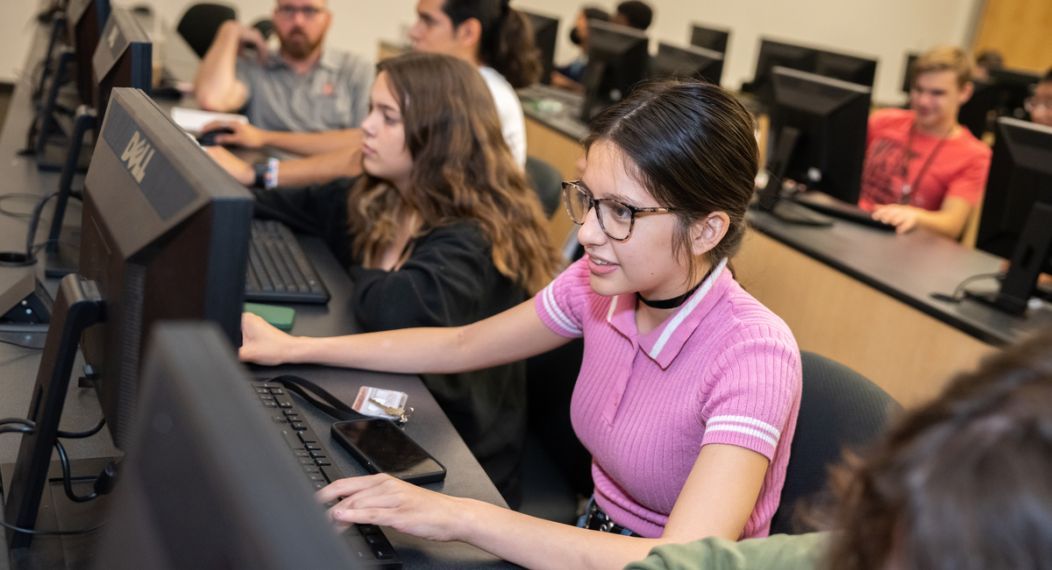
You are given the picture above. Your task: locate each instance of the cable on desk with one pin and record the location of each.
(34, 532)
(959, 292)
(67, 477)
(83, 434)
(12, 196)
(29, 252)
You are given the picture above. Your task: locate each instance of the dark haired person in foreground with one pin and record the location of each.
(962, 483)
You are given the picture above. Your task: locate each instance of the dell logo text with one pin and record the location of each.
(137, 156)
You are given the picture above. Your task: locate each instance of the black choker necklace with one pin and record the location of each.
(669, 303)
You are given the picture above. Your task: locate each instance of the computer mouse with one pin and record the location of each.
(208, 138)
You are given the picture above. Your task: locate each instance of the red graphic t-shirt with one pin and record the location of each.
(957, 168)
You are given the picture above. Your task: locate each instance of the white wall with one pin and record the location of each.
(882, 28)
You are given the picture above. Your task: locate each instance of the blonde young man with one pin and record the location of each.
(301, 86)
(922, 168)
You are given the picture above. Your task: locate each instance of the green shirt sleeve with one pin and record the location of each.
(782, 552)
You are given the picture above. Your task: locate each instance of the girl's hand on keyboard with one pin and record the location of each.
(386, 501)
(262, 343)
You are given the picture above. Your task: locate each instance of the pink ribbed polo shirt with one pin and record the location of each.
(722, 369)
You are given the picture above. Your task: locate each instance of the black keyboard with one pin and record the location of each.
(278, 270)
(367, 541)
(832, 207)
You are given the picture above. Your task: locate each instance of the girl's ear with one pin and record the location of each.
(708, 232)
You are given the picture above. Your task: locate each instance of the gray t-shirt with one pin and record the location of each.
(334, 94)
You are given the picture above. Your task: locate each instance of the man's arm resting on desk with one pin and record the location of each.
(216, 86)
(304, 144)
(344, 163)
(948, 221)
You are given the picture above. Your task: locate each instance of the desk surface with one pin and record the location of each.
(429, 425)
(910, 268)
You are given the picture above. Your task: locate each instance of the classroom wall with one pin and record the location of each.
(883, 28)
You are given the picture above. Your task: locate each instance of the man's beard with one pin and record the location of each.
(297, 45)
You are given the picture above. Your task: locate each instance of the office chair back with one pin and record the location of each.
(201, 22)
(547, 182)
(839, 409)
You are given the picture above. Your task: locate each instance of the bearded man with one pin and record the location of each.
(301, 86)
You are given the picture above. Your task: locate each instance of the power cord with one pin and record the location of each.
(959, 292)
(28, 256)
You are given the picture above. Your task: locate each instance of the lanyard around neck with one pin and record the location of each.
(909, 187)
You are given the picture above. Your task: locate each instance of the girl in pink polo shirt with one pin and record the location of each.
(689, 388)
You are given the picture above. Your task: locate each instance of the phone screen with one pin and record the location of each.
(384, 448)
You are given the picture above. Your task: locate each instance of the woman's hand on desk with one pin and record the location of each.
(262, 343)
(239, 169)
(904, 218)
(386, 501)
(244, 135)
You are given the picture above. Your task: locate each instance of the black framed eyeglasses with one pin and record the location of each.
(615, 217)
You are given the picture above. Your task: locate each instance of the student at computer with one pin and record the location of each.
(441, 230)
(302, 86)
(922, 168)
(569, 76)
(689, 388)
(959, 483)
(1039, 105)
(487, 33)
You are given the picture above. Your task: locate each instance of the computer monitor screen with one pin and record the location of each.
(693, 62)
(1016, 220)
(545, 32)
(850, 68)
(165, 235)
(1015, 86)
(907, 72)
(976, 114)
(122, 59)
(86, 19)
(617, 61)
(825, 121)
(191, 494)
(779, 54)
(709, 38)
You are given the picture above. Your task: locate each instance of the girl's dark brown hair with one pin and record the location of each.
(462, 170)
(692, 146)
(963, 482)
(507, 38)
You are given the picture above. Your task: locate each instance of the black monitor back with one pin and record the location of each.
(778, 54)
(907, 74)
(1014, 85)
(831, 117)
(164, 235)
(683, 62)
(123, 58)
(975, 114)
(617, 60)
(714, 39)
(86, 19)
(207, 482)
(1020, 176)
(545, 33)
(845, 67)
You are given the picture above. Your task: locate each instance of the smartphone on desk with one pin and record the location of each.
(382, 447)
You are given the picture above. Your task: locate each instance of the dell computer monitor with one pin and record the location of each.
(206, 482)
(818, 125)
(777, 54)
(687, 62)
(907, 73)
(86, 19)
(1015, 222)
(165, 236)
(1014, 86)
(617, 61)
(122, 59)
(545, 32)
(850, 68)
(714, 39)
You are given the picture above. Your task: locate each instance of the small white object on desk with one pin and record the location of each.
(193, 120)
